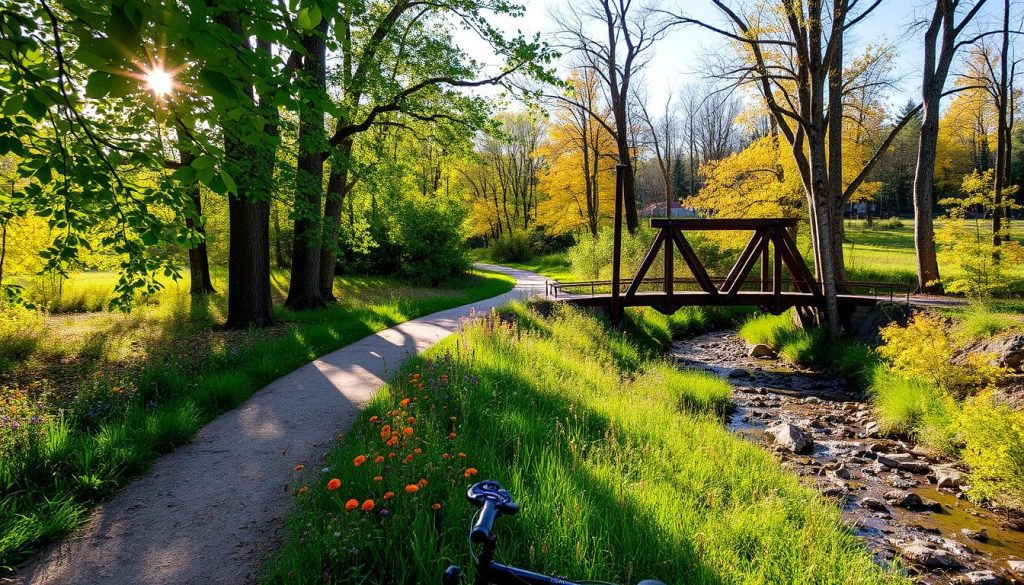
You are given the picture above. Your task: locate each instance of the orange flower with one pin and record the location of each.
(470, 472)
(392, 441)
(378, 478)
(351, 504)
(410, 420)
(416, 376)
(333, 484)
(446, 456)
(303, 489)
(407, 431)
(404, 402)
(412, 488)
(378, 459)
(393, 412)
(389, 495)
(443, 377)
(391, 455)
(422, 482)
(408, 459)
(463, 455)
(299, 467)
(417, 450)
(435, 506)
(452, 435)
(385, 431)
(367, 505)
(359, 460)
(451, 418)
(373, 418)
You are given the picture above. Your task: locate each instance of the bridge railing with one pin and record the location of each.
(883, 291)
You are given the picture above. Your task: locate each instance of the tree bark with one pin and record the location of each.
(337, 187)
(249, 301)
(198, 258)
(1002, 137)
(304, 286)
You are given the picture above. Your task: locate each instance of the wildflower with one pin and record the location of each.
(451, 418)
(410, 420)
(373, 418)
(378, 459)
(389, 495)
(452, 435)
(463, 455)
(299, 467)
(412, 488)
(367, 505)
(391, 455)
(407, 431)
(333, 484)
(303, 489)
(408, 459)
(392, 441)
(384, 512)
(416, 376)
(351, 504)
(404, 402)
(444, 377)
(378, 478)
(359, 460)
(470, 472)
(393, 412)
(422, 482)
(417, 450)
(385, 431)
(435, 506)
(446, 456)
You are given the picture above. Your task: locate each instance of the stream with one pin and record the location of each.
(900, 499)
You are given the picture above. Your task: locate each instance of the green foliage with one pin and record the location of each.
(982, 320)
(994, 449)
(431, 248)
(914, 408)
(514, 247)
(628, 474)
(591, 257)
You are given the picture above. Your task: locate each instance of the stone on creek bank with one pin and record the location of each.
(873, 504)
(760, 351)
(790, 437)
(922, 553)
(979, 578)
(737, 373)
(1017, 567)
(1005, 351)
(947, 477)
(911, 501)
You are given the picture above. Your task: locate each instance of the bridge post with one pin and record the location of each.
(615, 311)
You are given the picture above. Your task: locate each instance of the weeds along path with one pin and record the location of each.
(211, 510)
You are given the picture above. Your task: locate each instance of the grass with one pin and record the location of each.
(621, 465)
(125, 388)
(552, 266)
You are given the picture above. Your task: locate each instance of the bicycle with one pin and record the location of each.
(494, 502)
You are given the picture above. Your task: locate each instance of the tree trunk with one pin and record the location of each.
(1002, 137)
(249, 302)
(928, 280)
(3, 253)
(198, 259)
(304, 286)
(337, 185)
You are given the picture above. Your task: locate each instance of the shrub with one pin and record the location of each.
(430, 238)
(591, 257)
(994, 449)
(914, 408)
(893, 223)
(21, 329)
(980, 321)
(771, 330)
(514, 247)
(922, 350)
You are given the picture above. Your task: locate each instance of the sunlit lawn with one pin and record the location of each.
(99, 395)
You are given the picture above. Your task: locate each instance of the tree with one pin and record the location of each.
(661, 138)
(793, 56)
(628, 32)
(941, 42)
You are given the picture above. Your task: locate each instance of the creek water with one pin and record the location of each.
(887, 488)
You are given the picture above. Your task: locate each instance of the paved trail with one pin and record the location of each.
(210, 511)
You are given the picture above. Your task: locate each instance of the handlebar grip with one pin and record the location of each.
(484, 522)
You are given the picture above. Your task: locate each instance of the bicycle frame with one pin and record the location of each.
(490, 573)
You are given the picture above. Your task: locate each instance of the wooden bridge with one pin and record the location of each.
(784, 280)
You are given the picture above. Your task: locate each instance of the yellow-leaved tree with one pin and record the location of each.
(579, 179)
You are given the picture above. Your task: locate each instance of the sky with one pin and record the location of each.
(677, 57)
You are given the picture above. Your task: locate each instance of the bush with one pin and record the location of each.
(432, 249)
(914, 408)
(893, 223)
(922, 350)
(514, 247)
(994, 449)
(591, 257)
(979, 321)
(21, 329)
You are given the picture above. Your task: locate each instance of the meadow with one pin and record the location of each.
(88, 400)
(629, 474)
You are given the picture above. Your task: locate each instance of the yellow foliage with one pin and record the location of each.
(922, 350)
(993, 436)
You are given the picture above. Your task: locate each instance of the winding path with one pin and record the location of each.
(211, 510)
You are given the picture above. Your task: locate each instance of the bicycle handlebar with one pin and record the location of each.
(493, 501)
(484, 522)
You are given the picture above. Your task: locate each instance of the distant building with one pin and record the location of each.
(658, 210)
